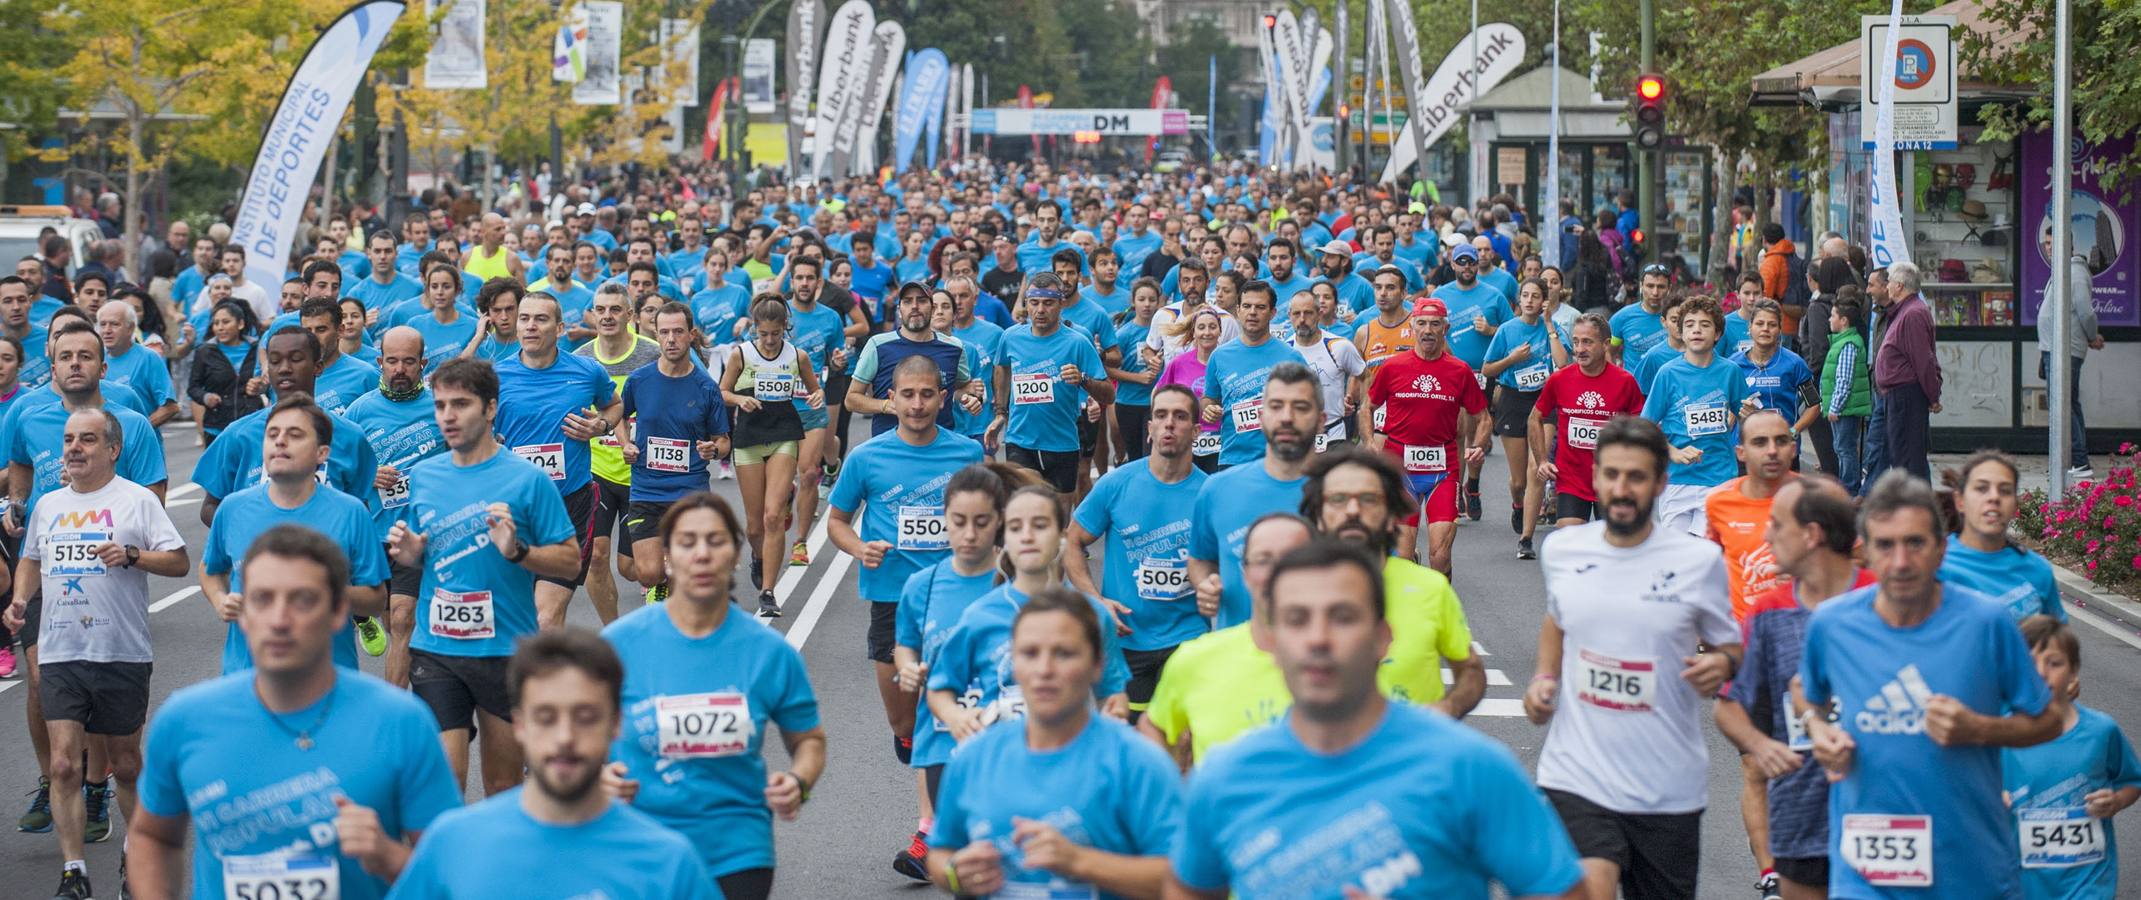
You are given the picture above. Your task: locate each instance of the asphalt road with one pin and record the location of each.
(863, 811)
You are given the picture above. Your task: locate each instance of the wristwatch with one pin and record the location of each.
(133, 555)
(519, 552)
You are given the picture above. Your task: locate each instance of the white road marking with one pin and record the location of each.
(183, 490)
(792, 578)
(1498, 708)
(177, 596)
(830, 582)
(1495, 678)
(5, 685)
(2096, 620)
(189, 501)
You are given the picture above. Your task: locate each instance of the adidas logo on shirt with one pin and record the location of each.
(1900, 706)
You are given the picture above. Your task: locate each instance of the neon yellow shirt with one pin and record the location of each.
(605, 453)
(1221, 685)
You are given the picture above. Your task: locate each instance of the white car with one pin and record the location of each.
(21, 225)
(1170, 160)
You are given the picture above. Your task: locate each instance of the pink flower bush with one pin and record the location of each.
(2092, 522)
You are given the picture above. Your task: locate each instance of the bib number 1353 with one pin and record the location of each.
(1890, 851)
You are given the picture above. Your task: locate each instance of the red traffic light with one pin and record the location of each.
(1271, 21)
(1650, 87)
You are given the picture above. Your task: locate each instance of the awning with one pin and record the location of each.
(1830, 78)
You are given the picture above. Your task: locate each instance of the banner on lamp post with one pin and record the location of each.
(1885, 241)
(455, 60)
(889, 46)
(1434, 109)
(806, 25)
(568, 51)
(603, 84)
(922, 92)
(271, 211)
(841, 71)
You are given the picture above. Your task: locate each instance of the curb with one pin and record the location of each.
(2112, 614)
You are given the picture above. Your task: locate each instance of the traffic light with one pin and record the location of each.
(1650, 111)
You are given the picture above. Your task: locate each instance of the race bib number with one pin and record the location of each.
(1010, 703)
(72, 553)
(668, 455)
(1248, 414)
(1583, 433)
(1038, 387)
(1322, 441)
(1426, 459)
(1481, 379)
(283, 876)
(1162, 579)
(1206, 444)
(2059, 838)
(462, 615)
(922, 528)
(1622, 685)
(396, 495)
(765, 286)
(548, 457)
(773, 386)
(1531, 379)
(703, 726)
(1379, 417)
(1013, 890)
(1706, 419)
(1890, 851)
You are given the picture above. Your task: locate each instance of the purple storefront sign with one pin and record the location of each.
(2106, 227)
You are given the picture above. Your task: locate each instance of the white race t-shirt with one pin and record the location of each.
(1334, 360)
(94, 612)
(1627, 731)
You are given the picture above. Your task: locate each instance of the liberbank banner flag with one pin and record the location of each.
(1459, 81)
(806, 24)
(297, 135)
(841, 73)
(921, 99)
(1884, 212)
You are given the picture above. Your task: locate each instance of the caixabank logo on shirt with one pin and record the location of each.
(1899, 707)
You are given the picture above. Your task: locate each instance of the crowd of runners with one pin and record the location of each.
(1152, 482)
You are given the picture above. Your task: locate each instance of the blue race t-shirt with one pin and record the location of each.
(2015, 578)
(216, 755)
(144, 372)
(444, 340)
(1777, 384)
(930, 605)
(899, 488)
(379, 297)
(493, 848)
(1096, 321)
(1698, 406)
(247, 514)
(346, 379)
(975, 660)
(673, 415)
(1109, 789)
(1044, 409)
(717, 310)
(1113, 301)
(695, 716)
(402, 434)
(2066, 853)
(1130, 393)
(1144, 524)
(1529, 375)
(1736, 339)
(1226, 506)
(1480, 300)
(1904, 791)
(1132, 249)
(1235, 377)
(984, 344)
(1637, 329)
(233, 460)
(34, 440)
(532, 404)
(1646, 368)
(1268, 816)
(472, 601)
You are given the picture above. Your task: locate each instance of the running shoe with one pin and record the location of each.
(766, 607)
(7, 662)
(1766, 887)
(909, 861)
(371, 635)
(38, 819)
(657, 594)
(2080, 474)
(1472, 508)
(1524, 550)
(96, 809)
(1516, 517)
(799, 555)
(758, 570)
(728, 471)
(73, 885)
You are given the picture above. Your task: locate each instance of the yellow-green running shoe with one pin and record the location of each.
(371, 635)
(657, 593)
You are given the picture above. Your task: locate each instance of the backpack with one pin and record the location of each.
(1796, 292)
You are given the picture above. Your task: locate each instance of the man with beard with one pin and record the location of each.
(1354, 292)
(1034, 255)
(398, 424)
(1358, 496)
(1234, 378)
(1630, 605)
(1236, 497)
(871, 390)
(558, 835)
(1285, 280)
(1576, 402)
(1477, 311)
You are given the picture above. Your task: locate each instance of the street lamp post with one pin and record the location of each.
(729, 151)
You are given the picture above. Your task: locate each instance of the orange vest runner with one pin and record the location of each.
(1739, 524)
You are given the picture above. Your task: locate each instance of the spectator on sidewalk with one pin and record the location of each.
(1875, 458)
(2082, 336)
(1906, 372)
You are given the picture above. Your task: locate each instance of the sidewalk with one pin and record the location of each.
(2110, 613)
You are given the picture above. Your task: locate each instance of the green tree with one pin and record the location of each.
(1187, 62)
(2106, 91)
